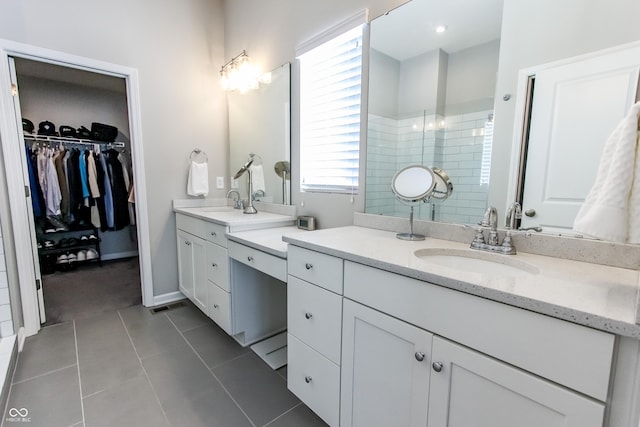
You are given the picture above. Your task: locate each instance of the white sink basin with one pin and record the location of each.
(475, 261)
(218, 209)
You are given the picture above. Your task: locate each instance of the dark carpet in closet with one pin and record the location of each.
(91, 290)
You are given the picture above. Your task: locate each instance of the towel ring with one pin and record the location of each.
(196, 152)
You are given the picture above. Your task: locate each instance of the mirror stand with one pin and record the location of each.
(410, 235)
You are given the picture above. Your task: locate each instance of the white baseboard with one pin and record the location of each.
(118, 255)
(167, 298)
(21, 337)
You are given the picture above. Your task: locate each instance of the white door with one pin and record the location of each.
(385, 370)
(575, 108)
(30, 217)
(471, 389)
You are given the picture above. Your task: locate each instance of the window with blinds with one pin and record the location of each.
(330, 89)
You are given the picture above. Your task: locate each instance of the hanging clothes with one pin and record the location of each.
(119, 190)
(33, 183)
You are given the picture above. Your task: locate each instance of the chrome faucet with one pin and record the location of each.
(492, 244)
(237, 201)
(257, 193)
(514, 213)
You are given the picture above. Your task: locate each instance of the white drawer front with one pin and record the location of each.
(314, 379)
(197, 227)
(220, 307)
(216, 233)
(314, 267)
(261, 261)
(218, 265)
(314, 316)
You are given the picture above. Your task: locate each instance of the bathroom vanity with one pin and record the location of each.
(235, 277)
(381, 334)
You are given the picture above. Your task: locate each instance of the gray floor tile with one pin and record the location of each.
(212, 408)
(259, 391)
(283, 372)
(51, 349)
(300, 416)
(105, 354)
(178, 375)
(213, 345)
(129, 404)
(52, 399)
(151, 333)
(188, 317)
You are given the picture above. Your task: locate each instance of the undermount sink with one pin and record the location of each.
(475, 261)
(218, 209)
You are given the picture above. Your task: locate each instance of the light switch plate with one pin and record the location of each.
(220, 182)
(234, 183)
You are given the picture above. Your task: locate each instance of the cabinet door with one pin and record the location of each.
(200, 281)
(185, 263)
(385, 370)
(471, 389)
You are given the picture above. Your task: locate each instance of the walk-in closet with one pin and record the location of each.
(78, 159)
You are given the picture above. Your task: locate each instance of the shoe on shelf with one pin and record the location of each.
(92, 254)
(82, 255)
(48, 244)
(84, 237)
(57, 223)
(72, 258)
(62, 259)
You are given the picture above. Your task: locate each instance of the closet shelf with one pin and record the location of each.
(70, 140)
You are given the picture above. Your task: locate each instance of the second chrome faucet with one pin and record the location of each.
(492, 243)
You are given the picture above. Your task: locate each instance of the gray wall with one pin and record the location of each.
(544, 31)
(177, 48)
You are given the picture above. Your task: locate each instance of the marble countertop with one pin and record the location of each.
(597, 296)
(268, 240)
(236, 219)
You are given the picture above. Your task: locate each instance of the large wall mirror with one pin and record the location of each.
(259, 124)
(431, 100)
(451, 99)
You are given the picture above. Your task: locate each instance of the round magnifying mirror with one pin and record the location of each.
(413, 183)
(443, 186)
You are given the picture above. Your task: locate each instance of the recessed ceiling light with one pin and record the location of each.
(441, 28)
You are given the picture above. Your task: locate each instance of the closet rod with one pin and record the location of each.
(69, 140)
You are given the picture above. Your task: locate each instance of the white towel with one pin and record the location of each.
(257, 178)
(198, 181)
(611, 210)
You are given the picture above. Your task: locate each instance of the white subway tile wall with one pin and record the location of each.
(6, 322)
(453, 143)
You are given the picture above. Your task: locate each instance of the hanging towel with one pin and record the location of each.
(258, 178)
(198, 181)
(611, 210)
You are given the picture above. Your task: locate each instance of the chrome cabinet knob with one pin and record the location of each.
(214, 265)
(307, 379)
(530, 212)
(419, 356)
(214, 234)
(437, 366)
(250, 258)
(308, 315)
(308, 266)
(216, 305)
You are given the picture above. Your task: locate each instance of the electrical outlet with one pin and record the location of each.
(220, 182)
(234, 183)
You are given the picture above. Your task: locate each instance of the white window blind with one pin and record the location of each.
(330, 91)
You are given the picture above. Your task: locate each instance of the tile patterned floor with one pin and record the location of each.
(134, 368)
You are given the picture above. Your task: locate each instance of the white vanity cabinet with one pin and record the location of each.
(192, 269)
(398, 371)
(314, 319)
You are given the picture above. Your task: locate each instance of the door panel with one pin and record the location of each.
(575, 108)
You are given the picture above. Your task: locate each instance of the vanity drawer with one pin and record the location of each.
(314, 267)
(191, 225)
(314, 316)
(261, 261)
(219, 309)
(218, 265)
(216, 233)
(314, 379)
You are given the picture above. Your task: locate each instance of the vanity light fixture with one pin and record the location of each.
(240, 74)
(441, 28)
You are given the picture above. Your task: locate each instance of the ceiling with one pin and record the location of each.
(44, 70)
(409, 30)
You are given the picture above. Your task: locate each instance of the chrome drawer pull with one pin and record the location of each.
(437, 366)
(213, 233)
(307, 379)
(214, 265)
(250, 258)
(308, 315)
(215, 306)
(419, 356)
(308, 266)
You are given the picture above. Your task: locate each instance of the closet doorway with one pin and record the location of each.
(81, 263)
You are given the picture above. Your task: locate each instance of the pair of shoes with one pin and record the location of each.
(92, 254)
(65, 243)
(86, 237)
(82, 255)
